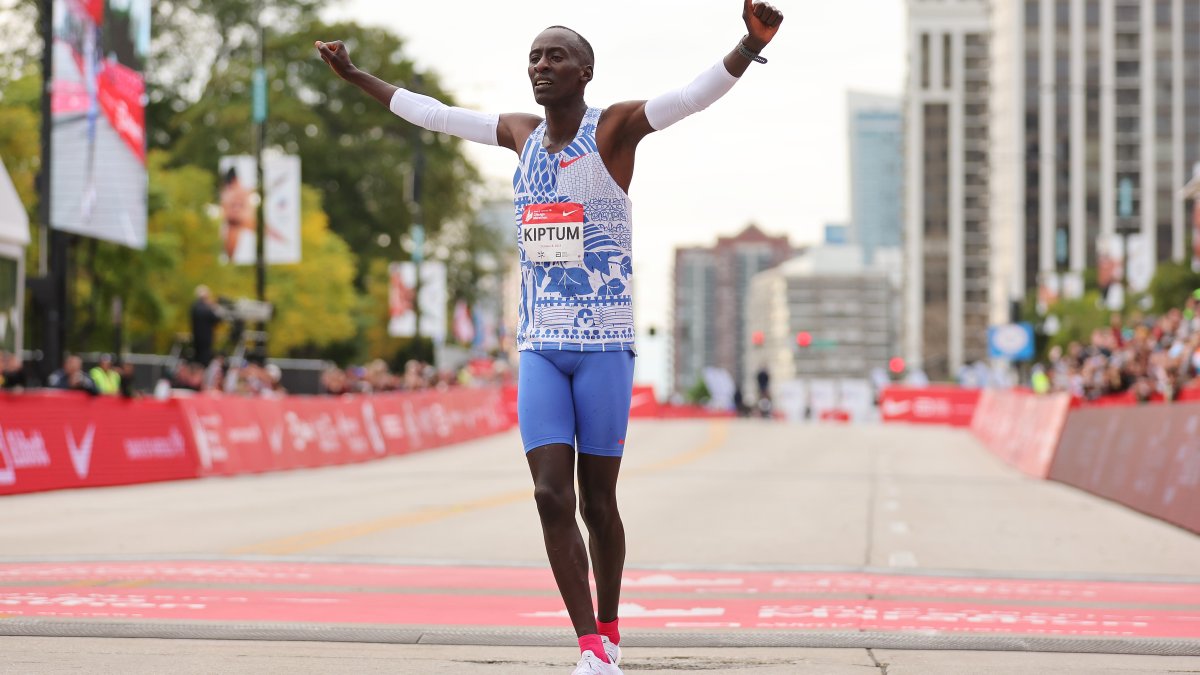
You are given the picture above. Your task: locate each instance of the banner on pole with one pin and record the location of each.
(239, 215)
(433, 300)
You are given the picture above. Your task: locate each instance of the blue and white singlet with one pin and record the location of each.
(583, 306)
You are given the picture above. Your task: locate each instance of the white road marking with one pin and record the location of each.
(891, 505)
(899, 527)
(902, 559)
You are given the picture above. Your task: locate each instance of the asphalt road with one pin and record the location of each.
(718, 496)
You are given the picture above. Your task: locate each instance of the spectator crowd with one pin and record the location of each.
(245, 378)
(1146, 358)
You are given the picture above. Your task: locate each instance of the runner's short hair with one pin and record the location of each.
(585, 47)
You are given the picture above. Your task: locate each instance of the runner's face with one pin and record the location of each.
(556, 71)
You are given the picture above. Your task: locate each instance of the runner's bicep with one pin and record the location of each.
(628, 121)
(514, 129)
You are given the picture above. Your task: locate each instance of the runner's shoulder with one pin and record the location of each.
(620, 113)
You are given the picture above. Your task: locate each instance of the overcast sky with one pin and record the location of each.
(774, 151)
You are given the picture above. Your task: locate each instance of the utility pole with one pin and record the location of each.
(260, 90)
(418, 229)
(50, 289)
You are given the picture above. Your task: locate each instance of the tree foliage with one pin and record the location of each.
(357, 161)
(1172, 285)
(352, 149)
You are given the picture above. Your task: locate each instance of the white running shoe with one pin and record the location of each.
(613, 651)
(590, 664)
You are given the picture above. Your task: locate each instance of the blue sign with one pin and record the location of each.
(1125, 198)
(418, 238)
(260, 95)
(1011, 342)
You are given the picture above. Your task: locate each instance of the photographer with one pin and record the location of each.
(206, 315)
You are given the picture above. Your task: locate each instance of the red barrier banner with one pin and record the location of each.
(55, 441)
(1020, 428)
(235, 436)
(948, 406)
(644, 403)
(1145, 457)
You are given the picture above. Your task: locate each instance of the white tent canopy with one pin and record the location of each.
(14, 223)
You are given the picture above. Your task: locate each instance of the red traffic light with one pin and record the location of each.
(757, 338)
(896, 365)
(804, 338)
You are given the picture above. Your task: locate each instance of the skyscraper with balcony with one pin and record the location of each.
(946, 185)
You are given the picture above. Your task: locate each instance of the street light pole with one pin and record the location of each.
(260, 91)
(53, 256)
(418, 227)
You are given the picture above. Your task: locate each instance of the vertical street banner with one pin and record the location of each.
(464, 324)
(281, 173)
(98, 125)
(1140, 263)
(1111, 270)
(238, 180)
(1196, 229)
(402, 291)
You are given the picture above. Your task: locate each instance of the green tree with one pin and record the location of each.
(20, 142)
(354, 150)
(19, 25)
(1172, 285)
(1078, 318)
(315, 299)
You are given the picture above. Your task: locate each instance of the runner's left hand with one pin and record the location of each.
(762, 23)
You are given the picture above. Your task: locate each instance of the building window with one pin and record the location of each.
(947, 62)
(925, 60)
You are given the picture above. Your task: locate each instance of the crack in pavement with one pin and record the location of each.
(882, 666)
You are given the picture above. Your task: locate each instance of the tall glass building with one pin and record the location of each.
(876, 172)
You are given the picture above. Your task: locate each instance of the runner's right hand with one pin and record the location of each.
(337, 56)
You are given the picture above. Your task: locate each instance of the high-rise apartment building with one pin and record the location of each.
(876, 172)
(1096, 123)
(946, 185)
(711, 287)
(847, 310)
(693, 339)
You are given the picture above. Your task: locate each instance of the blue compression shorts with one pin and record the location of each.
(579, 399)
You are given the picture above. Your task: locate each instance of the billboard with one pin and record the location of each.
(434, 299)
(239, 216)
(98, 127)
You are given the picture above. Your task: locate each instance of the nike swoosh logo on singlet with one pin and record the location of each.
(565, 163)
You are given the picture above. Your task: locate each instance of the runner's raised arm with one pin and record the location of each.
(426, 111)
(626, 124)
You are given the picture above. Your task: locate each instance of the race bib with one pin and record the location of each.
(553, 233)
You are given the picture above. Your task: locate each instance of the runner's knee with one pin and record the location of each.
(599, 512)
(554, 502)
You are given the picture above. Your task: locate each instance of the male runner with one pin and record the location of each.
(575, 330)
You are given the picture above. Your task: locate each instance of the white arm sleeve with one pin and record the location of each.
(430, 113)
(671, 107)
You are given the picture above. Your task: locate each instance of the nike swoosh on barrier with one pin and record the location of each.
(568, 162)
